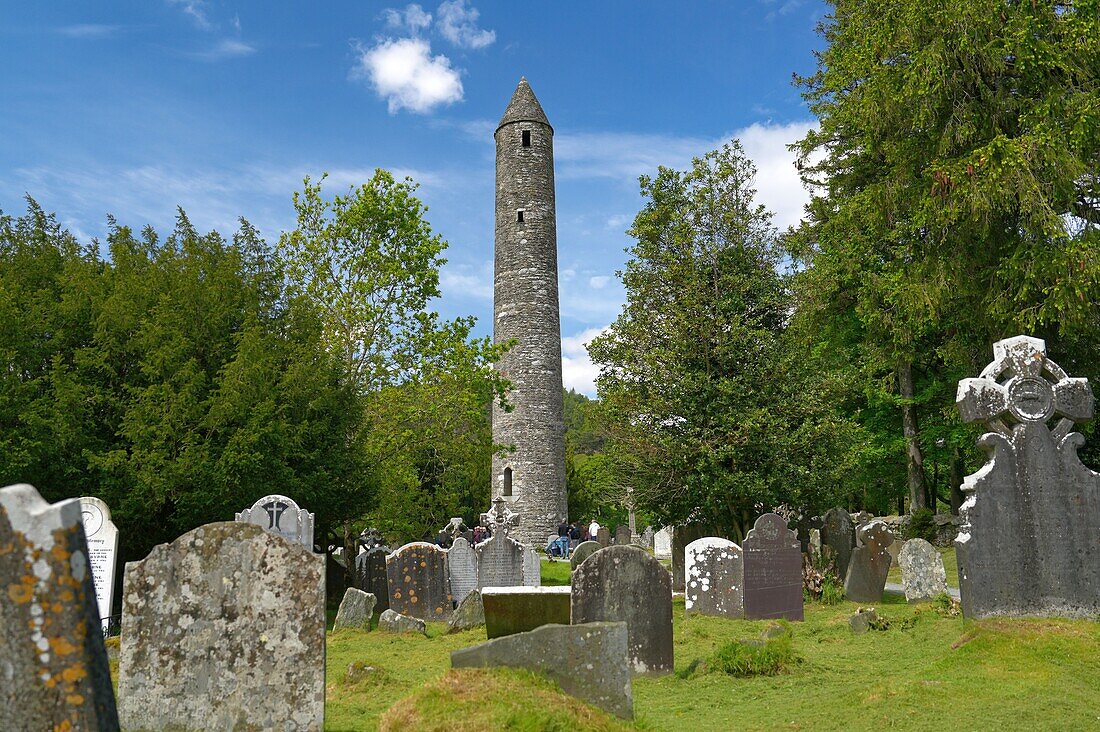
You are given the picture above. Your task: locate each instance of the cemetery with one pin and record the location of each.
(832, 464)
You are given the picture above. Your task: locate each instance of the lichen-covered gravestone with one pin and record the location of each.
(224, 628)
(773, 570)
(419, 585)
(624, 583)
(356, 610)
(714, 575)
(838, 533)
(870, 563)
(282, 516)
(511, 610)
(470, 613)
(462, 568)
(1030, 539)
(370, 575)
(922, 574)
(102, 536)
(583, 551)
(53, 666)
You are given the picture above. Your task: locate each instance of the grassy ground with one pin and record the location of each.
(950, 565)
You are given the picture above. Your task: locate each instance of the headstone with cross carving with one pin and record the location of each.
(1030, 539)
(870, 563)
(281, 515)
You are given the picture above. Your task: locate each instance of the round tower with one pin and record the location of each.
(525, 309)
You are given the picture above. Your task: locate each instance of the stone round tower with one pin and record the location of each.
(525, 309)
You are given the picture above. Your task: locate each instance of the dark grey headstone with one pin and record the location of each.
(419, 585)
(370, 575)
(681, 537)
(773, 570)
(499, 562)
(622, 535)
(1030, 539)
(624, 583)
(838, 533)
(462, 568)
(583, 551)
(588, 661)
(870, 563)
(511, 610)
(53, 665)
(603, 536)
(224, 628)
(714, 578)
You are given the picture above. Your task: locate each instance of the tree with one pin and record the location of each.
(956, 182)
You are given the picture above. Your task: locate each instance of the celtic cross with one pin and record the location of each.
(500, 518)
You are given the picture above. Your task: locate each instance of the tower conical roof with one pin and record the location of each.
(524, 107)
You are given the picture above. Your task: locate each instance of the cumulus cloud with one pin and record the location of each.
(412, 19)
(458, 24)
(577, 370)
(407, 76)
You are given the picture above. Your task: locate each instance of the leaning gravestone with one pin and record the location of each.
(603, 536)
(419, 586)
(281, 515)
(588, 661)
(773, 570)
(469, 614)
(583, 551)
(224, 628)
(624, 583)
(714, 578)
(462, 568)
(356, 610)
(532, 567)
(370, 575)
(838, 534)
(102, 536)
(662, 543)
(622, 535)
(53, 665)
(1030, 539)
(922, 574)
(870, 563)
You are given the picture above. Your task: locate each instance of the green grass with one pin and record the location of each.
(950, 565)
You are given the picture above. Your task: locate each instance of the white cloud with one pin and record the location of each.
(458, 24)
(223, 49)
(412, 19)
(196, 10)
(778, 186)
(577, 370)
(464, 280)
(90, 30)
(599, 282)
(407, 76)
(618, 222)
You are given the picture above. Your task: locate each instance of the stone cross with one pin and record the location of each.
(500, 518)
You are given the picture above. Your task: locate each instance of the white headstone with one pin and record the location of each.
(281, 515)
(462, 568)
(532, 567)
(662, 543)
(102, 536)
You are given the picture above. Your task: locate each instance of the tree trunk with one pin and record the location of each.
(956, 479)
(350, 552)
(914, 461)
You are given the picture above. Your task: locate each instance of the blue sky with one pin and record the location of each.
(133, 108)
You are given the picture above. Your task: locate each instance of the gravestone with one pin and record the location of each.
(588, 661)
(1029, 543)
(102, 536)
(622, 535)
(815, 542)
(870, 563)
(370, 575)
(532, 567)
(462, 568)
(511, 610)
(603, 536)
(394, 622)
(224, 628)
(470, 613)
(773, 570)
(662, 543)
(681, 537)
(53, 665)
(839, 535)
(922, 574)
(418, 582)
(624, 583)
(499, 562)
(356, 610)
(583, 551)
(645, 539)
(281, 515)
(714, 578)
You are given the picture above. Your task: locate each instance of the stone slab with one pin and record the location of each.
(53, 664)
(838, 533)
(418, 582)
(394, 622)
(469, 614)
(681, 537)
(773, 570)
(589, 661)
(518, 609)
(224, 628)
(622, 535)
(356, 610)
(714, 578)
(603, 536)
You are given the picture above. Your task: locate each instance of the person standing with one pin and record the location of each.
(593, 529)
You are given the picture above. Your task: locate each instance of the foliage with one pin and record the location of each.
(820, 580)
(921, 525)
(763, 657)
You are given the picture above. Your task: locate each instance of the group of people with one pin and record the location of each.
(569, 536)
(446, 536)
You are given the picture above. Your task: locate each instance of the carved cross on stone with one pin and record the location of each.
(1023, 385)
(500, 518)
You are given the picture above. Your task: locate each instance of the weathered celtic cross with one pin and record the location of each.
(500, 518)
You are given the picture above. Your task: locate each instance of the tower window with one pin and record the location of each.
(507, 482)
(526, 138)
(519, 216)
